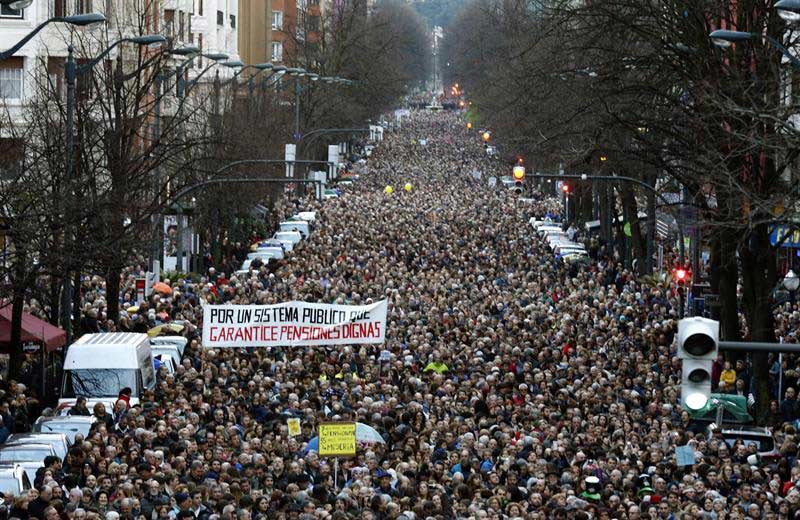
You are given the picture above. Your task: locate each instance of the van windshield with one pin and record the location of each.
(97, 382)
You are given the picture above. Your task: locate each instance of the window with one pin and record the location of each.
(277, 51)
(233, 21)
(11, 78)
(220, 18)
(11, 155)
(7, 12)
(199, 8)
(277, 20)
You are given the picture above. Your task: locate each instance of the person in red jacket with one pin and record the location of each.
(125, 396)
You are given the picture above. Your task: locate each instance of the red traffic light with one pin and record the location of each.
(565, 188)
(520, 160)
(681, 274)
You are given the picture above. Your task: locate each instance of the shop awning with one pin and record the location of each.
(34, 330)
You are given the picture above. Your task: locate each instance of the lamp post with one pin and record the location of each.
(71, 73)
(789, 10)
(78, 20)
(791, 282)
(723, 38)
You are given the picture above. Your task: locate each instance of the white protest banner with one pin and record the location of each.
(293, 324)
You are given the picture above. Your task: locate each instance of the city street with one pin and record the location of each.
(399, 260)
(512, 377)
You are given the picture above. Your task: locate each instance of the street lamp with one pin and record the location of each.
(789, 10)
(16, 5)
(724, 38)
(71, 73)
(80, 20)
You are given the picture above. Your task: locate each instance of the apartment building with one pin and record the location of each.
(255, 31)
(215, 29)
(284, 24)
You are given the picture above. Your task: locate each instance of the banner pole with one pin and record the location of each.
(336, 474)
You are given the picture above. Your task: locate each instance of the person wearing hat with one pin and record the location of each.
(384, 483)
(591, 489)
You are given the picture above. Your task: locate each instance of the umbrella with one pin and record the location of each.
(132, 309)
(162, 288)
(167, 328)
(365, 434)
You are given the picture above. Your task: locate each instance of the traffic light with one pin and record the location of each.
(698, 344)
(681, 275)
(518, 174)
(469, 125)
(566, 188)
(486, 136)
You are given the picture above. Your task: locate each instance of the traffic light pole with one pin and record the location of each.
(749, 346)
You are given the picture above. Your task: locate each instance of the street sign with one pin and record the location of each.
(140, 285)
(337, 439)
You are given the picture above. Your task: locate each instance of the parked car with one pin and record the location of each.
(14, 480)
(759, 437)
(288, 236)
(178, 342)
(69, 425)
(29, 456)
(59, 441)
(300, 226)
(277, 252)
(168, 352)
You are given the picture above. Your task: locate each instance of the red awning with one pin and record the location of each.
(34, 330)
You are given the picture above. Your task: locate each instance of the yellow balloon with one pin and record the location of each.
(407, 186)
(388, 190)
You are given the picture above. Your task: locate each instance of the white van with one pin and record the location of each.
(98, 366)
(300, 226)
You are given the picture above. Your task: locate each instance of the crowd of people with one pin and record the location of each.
(518, 386)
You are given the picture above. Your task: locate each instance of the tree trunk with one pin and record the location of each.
(759, 276)
(631, 211)
(112, 291)
(17, 304)
(55, 300)
(76, 304)
(728, 276)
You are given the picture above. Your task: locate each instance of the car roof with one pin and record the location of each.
(16, 437)
(27, 445)
(67, 419)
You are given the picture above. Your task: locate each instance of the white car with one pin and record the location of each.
(246, 263)
(58, 441)
(14, 480)
(277, 252)
(69, 425)
(29, 456)
(288, 236)
(179, 342)
(264, 255)
(308, 216)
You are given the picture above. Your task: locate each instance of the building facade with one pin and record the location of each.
(255, 31)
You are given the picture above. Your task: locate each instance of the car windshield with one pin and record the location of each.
(25, 455)
(97, 382)
(65, 427)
